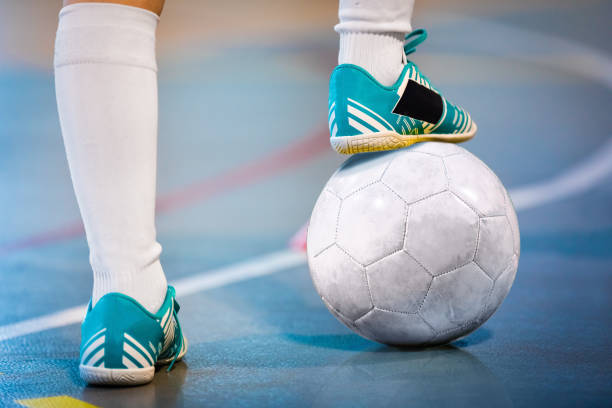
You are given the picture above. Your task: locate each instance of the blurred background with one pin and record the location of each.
(535, 75)
(545, 62)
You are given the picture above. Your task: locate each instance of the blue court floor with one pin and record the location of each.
(536, 79)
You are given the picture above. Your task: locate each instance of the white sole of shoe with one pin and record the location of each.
(116, 376)
(380, 141)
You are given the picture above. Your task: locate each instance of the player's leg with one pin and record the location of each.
(378, 99)
(372, 35)
(106, 88)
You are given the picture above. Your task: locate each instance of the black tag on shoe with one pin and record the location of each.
(420, 103)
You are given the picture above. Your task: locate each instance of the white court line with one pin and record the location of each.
(592, 64)
(252, 268)
(62, 318)
(216, 278)
(586, 61)
(575, 180)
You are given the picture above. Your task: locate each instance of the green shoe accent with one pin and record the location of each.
(366, 116)
(121, 342)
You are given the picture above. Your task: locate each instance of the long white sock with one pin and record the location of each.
(379, 54)
(372, 35)
(106, 89)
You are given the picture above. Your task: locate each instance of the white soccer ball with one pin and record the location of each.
(413, 247)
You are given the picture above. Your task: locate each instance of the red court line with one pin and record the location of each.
(276, 162)
(298, 240)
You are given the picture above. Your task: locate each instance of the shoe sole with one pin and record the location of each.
(381, 141)
(116, 376)
(123, 376)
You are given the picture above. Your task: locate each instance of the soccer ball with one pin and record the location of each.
(413, 247)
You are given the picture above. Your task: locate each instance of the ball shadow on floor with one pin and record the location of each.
(437, 376)
(354, 342)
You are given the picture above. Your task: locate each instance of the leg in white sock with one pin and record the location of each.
(372, 35)
(106, 87)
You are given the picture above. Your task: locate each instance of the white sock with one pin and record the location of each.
(372, 35)
(381, 54)
(106, 89)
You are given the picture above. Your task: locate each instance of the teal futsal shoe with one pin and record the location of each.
(121, 342)
(365, 116)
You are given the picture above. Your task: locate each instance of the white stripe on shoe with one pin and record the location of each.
(331, 108)
(128, 363)
(93, 337)
(164, 319)
(140, 347)
(358, 126)
(331, 118)
(135, 355)
(90, 349)
(402, 87)
(376, 115)
(97, 358)
(366, 118)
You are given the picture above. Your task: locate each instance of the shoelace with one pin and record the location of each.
(413, 40)
(180, 333)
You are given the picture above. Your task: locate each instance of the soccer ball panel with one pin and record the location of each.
(438, 148)
(398, 283)
(399, 329)
(442, 232)
(514, 225)
(347, 322)
(415, 176)
(501, 288)
(372, 224)
(473, 182)
(456, 297)
(456, 333)
(357, 172)
(495, 245)
(322, 226)
(341, 281)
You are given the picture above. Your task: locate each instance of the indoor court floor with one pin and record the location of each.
(536, 77)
